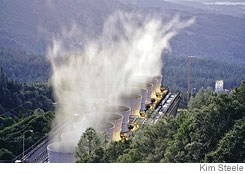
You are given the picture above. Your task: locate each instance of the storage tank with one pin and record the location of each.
(100, 127)
(116, 119)
(71, 136)
(122, 110)
(154, 82)
(149, 88)
(138, 89)
(143, 93)
(159, 82)
(132, 101)
(142, 82)
(106, 127)
(61, 152)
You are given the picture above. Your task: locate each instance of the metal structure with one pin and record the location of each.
(24, 143)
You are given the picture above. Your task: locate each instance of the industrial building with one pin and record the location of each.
(118, 121)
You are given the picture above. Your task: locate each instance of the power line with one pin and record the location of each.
(12, 109)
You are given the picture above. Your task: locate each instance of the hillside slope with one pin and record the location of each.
(30, 25)
(212, 36)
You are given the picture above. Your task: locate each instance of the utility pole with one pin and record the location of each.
(189, 79)
(23, 144)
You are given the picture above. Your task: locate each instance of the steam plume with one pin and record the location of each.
(130, 45)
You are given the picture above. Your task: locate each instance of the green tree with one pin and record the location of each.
(5, 154)
(116, 149)
(88, 143)
(201, 98)
(231, 147)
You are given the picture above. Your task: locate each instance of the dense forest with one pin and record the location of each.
(19, 100)
(24, 102)
(204, 73)
(28, 68)
(212, 131)
(31, 25)
(11, 137)
(24, 67)
(23, 107)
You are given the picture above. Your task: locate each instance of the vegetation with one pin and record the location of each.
(29, 68)
(24, 67)
(204, 73)
(91, 146)
(201, 135)
(11, 137)
(18, 100)
(23, 107)
(212, 35)
(213, 131)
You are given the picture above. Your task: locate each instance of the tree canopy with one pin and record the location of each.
(213, 131)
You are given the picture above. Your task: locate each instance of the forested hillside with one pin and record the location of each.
(31, 25)
(24, 67)
(212, 36)
(18, 101)
(12, 136)
(204, 73)
(212, 131)
(23, 107)
(28, 68)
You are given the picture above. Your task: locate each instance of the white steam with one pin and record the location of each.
(130, 45)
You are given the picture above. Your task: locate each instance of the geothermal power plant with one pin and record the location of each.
(137, 98)
(117, 121)
(114, 86)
